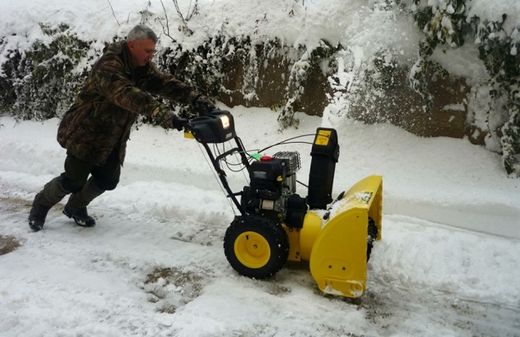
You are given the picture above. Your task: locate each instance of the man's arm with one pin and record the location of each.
(113, 84)
(168, 86)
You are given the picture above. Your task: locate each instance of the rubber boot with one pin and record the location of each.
(76, 207)
(51, 194)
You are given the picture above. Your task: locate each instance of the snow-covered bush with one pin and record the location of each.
(300, 83)
(443, 22)
(41, 82)
(260, 73)
(499, 51)
(452, 23)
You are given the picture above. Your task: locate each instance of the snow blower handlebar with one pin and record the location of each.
(217, 127)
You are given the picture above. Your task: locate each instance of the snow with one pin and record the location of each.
(462, 62)
(154, 264)
(448, 258)
(494, 10)
(486, 10)
(337, 22)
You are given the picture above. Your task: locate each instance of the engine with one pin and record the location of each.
(272, 189)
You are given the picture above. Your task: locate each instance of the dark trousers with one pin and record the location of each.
(105, 177)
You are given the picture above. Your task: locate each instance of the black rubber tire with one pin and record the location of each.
(272, 232)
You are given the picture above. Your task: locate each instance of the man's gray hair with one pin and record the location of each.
(141, 32)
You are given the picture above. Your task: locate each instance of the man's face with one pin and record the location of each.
(142, 51)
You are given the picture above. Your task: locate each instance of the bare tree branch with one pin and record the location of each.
(189, 15)
(176, 4)
(193, 11)
(167, 30)
(113, 13)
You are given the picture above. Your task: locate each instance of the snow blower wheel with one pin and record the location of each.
(256, 247)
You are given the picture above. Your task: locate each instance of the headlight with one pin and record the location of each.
(225, 121)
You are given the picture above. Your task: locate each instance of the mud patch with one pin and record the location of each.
(254, 330)
(171, 288)
(376, 308)
(273, 287)
(8, 244)
(333, 331)
(202, 234)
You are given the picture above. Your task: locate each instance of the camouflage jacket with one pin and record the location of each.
(114, 94)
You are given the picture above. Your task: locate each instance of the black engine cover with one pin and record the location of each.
(267, 177)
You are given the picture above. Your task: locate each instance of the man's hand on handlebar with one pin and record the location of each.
(177, 122)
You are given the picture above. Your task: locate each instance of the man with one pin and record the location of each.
(97, 126)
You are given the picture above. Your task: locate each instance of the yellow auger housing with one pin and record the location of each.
(337, 242)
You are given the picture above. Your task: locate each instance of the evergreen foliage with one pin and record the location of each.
(299, 78)
(498, 50)
(446, 22)
(41, 83)
(241, 69)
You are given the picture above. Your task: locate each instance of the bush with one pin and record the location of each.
(41, 83)
(255, 73)
(447, 23)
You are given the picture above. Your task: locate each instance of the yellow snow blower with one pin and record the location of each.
(276, 225)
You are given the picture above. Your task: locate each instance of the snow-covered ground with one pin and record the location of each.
(154, 264)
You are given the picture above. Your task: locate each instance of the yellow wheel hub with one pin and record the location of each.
(252, 249)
